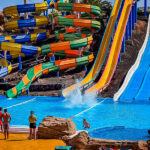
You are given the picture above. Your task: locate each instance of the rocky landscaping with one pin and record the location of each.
(65, 129)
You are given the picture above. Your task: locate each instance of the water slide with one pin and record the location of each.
(74, 41)
(101, 53)
(114, 51)
(136, 85)
(5, 67)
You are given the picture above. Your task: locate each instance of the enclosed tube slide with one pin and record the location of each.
(75, 41)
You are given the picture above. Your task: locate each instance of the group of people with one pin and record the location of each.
(5, 119)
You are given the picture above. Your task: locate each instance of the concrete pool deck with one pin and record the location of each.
(21, 142)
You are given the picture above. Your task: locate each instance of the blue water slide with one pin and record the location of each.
(139, 81)
(144, 92)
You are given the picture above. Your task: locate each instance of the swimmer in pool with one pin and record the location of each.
(86, 124)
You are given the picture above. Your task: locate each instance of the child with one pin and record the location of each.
(86, 124)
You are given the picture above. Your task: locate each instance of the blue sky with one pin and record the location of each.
(6, 3)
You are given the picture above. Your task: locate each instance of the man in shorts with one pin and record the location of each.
(1, 124)
(32, 120)
(6, 120)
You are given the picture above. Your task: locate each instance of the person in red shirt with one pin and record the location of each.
(1, 124)
(6, 120)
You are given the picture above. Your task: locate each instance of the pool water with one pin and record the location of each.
(108, 119)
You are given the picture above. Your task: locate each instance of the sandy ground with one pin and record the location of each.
(20, 142)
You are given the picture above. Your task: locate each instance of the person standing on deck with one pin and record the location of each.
(32, 120)
(1, 124)
(6, 120)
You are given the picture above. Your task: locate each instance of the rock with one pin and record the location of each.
(83, 142)
(79, 141)
(148, 142)
(142, 145)
(129, 42)
(55, 128)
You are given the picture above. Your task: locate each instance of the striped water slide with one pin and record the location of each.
(103, 49)
(37, 71)
(73, 42)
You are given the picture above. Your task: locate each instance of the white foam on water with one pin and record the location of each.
(76, 99)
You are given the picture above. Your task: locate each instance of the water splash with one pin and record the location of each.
(76, 99)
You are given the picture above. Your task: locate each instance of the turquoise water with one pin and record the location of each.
(102, 115)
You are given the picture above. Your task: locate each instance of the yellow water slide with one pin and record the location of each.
(101, 53)
(114, 52)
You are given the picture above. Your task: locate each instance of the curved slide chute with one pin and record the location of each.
(134, 68)
(137, 87)
(114, 51)
(101, 53)
(74, 41)
(37, 71)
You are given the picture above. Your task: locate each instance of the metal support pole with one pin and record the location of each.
(57, 74)
(133, 15)
(127, 30)
(119, 59)
(20, 63)
(28, 91)
(123, 44)
(145, 7)
(136, 12)
(130, 24)
(46, 13)
(53, 58)
(85, 68)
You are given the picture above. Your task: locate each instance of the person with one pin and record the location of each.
(1, 124)
(32, 120)
(86, 124)
(6, 120)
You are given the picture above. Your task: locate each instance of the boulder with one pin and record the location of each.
(78, 142)
(142, 145)
(83, 142)
(55, 128)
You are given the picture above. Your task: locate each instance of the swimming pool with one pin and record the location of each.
(107, 118)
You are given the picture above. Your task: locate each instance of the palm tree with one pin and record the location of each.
(104, 5)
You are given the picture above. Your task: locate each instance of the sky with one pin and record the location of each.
(6, 3)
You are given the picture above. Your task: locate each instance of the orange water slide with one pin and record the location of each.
(114, 52)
